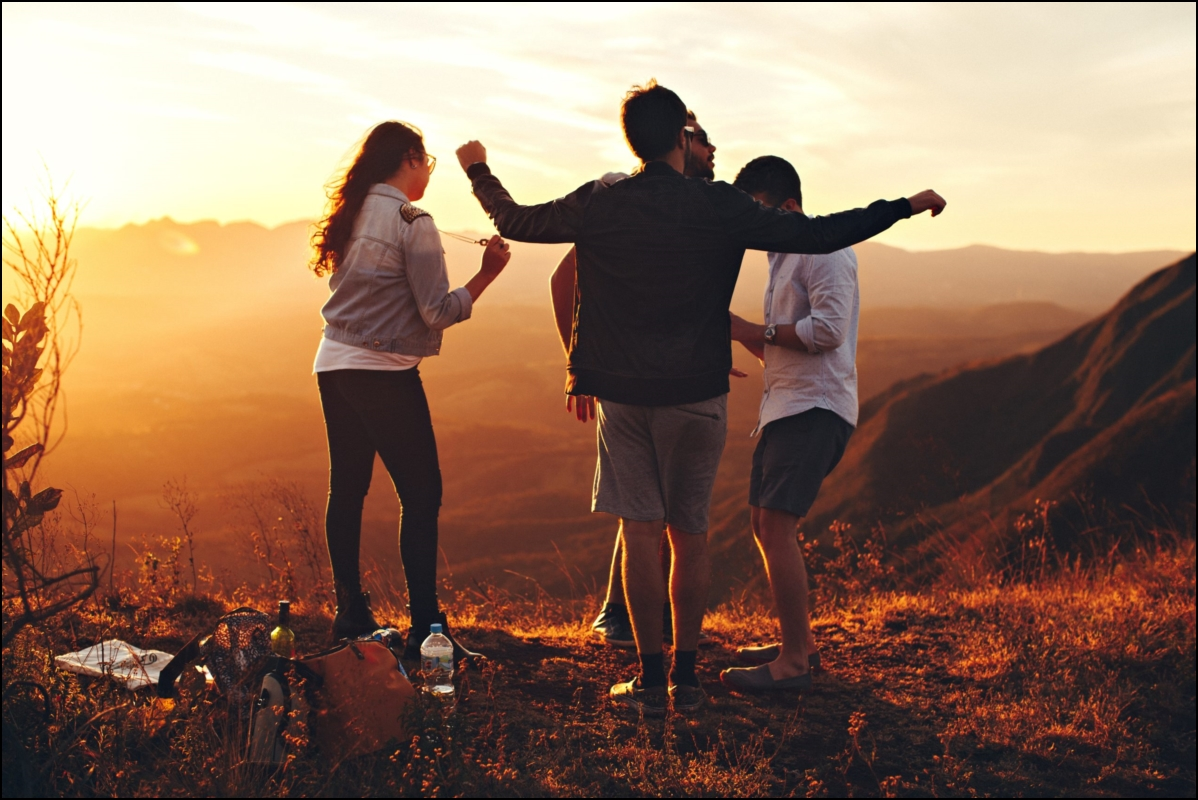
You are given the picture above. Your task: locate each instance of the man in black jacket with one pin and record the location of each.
(658, 257)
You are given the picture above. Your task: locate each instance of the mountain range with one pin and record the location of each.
(1095, 425)
(196, 363)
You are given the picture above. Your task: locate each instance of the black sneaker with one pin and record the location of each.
(650, 701)
(613, 626)
(687, 698)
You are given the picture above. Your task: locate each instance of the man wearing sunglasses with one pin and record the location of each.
(613, 625)
(658, 255)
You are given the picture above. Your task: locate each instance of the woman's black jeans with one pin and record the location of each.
(384, 412)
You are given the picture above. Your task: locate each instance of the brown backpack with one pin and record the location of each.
(359, 700)
(352, 697)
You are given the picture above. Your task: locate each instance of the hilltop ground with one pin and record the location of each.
(1070, 681)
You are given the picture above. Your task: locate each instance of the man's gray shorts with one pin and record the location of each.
(659, 462)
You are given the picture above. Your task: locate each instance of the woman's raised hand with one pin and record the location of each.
(496, 256)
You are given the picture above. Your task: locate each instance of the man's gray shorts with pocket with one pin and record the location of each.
(660, 462)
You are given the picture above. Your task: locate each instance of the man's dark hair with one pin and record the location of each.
(652, 116)
(772, 176)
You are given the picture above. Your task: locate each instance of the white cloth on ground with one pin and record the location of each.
(132, 666)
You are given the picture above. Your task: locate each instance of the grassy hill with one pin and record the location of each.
(1057, 682)
(196, 360)
(1106, 413)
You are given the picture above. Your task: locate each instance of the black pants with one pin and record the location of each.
(384, 412)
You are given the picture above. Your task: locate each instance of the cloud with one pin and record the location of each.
(257, 65)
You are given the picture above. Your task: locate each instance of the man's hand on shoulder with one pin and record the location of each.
(472, 152)
(924, 201)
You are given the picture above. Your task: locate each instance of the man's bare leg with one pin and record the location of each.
(776, 535)
(690, 579)
(615, 578)
(644, 589)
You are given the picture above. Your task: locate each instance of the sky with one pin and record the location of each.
(1050, 127)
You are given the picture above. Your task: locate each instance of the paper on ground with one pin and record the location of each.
(132, 666)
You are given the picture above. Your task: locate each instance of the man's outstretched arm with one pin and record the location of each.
(757, 227)
(548, 223)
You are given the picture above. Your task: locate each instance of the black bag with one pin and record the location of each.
(234, 653)
(283, 702)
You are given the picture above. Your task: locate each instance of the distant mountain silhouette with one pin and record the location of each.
(982, 275)
(1105, 415)
(197, 355)
(226, 267)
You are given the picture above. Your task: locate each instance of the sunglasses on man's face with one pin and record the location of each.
(698, 136)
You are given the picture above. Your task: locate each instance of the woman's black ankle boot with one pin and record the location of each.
(353, 617)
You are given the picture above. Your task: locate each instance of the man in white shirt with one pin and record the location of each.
(808, 345)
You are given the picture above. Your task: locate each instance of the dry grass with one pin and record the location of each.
(1072, 683)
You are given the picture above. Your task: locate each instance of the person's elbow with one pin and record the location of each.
(828, 335)
(438, 321)
(507, 221)
(443, 315)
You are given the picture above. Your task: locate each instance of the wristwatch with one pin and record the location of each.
(771, 332)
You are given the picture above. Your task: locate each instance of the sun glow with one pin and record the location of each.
(1052, 128)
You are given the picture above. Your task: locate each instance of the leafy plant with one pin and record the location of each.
(36, 584)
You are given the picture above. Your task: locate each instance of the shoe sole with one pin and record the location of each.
(813, 661)
(690, 708)
(624, 643)
(798, 686)
(632, 705)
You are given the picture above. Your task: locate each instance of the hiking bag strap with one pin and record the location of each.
(315, 681)
(174, 668)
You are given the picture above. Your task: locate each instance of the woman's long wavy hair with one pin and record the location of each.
(385, 148)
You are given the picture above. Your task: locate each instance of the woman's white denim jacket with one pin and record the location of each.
(391, 290)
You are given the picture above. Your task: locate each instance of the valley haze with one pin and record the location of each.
(196, 364)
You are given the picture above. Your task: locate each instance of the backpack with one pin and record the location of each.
(282, 702)
(352, 698)
(234, 653)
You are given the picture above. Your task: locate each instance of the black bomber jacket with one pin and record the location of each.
(658, 258)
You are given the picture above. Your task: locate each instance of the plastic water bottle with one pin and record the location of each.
(436, 664)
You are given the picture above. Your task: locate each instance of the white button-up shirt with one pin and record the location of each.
(818, 294)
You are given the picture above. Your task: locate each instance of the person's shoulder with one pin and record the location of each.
(724, 195)
(417, 227)
(844, 260)
(720, 188)
(411, 213)
(612, 178)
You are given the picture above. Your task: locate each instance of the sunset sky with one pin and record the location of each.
(1067, 127)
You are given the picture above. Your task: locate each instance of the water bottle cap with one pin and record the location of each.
(435, 627)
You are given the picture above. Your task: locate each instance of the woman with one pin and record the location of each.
(390, 302)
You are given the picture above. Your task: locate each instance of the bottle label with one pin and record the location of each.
(430, 663)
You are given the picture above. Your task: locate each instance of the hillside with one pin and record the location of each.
(196, 363)
(1102, 419)
(1064, 685)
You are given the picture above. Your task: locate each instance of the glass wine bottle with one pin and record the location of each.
(282, 638)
